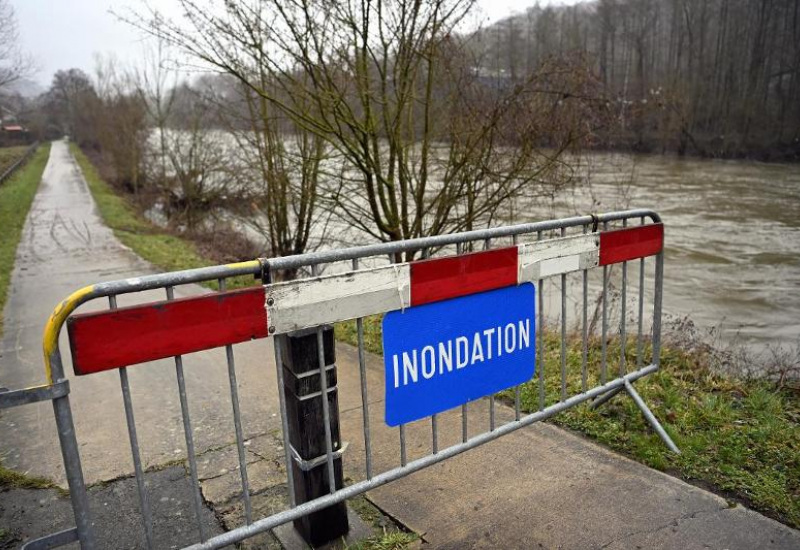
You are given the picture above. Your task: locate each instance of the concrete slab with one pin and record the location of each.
(290, 539)
(29, 514)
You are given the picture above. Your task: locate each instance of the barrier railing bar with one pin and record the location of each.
(15, 398)
(624, 314)
(62, 538)
(328, 256)
(540, 331)
(362, 368)
(144, 504)
(237, 421)
(563, 329)
(604, 322)
(258, 267)
(232, 537)
(188, 436)
(517, 407)
(585, 350)
(639, 336)
(287, 452)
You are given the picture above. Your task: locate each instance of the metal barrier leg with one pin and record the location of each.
(651, 418)
(605, 398)
(72, 466)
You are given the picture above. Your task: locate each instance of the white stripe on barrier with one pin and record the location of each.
(294, 305)
(542, 259)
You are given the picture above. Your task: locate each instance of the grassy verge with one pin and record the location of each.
(11, 479)
(740, 438)
(16, 197)
(156, 245)
(9, 155)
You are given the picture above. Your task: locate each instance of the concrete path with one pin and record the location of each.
(537, 488)
(65, 246)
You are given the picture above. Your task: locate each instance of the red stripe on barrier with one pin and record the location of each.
(621, 245)
(126, 336)
(443, 278)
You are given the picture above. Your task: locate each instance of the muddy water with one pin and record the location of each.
(732, 237)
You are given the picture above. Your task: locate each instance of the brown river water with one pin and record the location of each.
(732, 237)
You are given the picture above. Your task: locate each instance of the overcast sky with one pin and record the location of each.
(68, 33)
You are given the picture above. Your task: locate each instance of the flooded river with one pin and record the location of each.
(732, 237)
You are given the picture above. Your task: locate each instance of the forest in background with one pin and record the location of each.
(718, 78)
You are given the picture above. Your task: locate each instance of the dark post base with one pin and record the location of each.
(307, 432)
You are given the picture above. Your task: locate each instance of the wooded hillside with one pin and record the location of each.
(707, 77)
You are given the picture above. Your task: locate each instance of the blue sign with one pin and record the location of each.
(441, 355)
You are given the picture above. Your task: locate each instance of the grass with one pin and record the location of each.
(10, 479)
(156, 245)
(16, 197)
(740, 438)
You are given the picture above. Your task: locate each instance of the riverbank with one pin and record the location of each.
(740, 438)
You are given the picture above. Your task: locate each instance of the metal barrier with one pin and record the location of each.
(361, 282)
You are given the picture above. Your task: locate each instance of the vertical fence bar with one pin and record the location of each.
(144, 504)
(464, 413)
(237, 423)
(563, 330)
(517, 408)
(585, 350)
(287, 453)
(187, 433)
(657, 299)
(604, 330)
(403, 457)
(639, 335)
(362, 369)
(326, 413)
(541, 336)
(623, 314)
(424, 254)
(434, 434)
(487, 244)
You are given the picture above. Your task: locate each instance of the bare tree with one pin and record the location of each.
(422, 154)
(14, 63)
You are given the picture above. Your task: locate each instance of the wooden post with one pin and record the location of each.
(300, 361)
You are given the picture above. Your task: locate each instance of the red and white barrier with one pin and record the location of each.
(125, 336)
